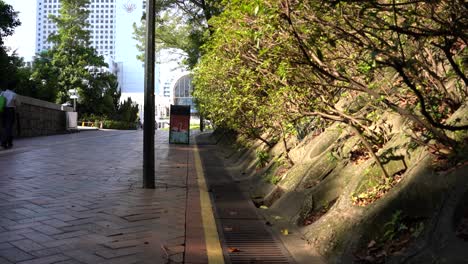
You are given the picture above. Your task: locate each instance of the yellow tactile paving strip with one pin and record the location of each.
(213, 245)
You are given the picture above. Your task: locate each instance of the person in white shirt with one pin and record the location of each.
(8, 118)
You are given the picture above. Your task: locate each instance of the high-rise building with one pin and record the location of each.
(111, 27)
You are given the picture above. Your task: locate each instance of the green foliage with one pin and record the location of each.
(124, 117)
(101, 96)
(8, 22)
(394, 226)
(262, 158)
(331, 157)
(180, 25)
(274, 172)
(399, 224)
(128, 111)
(45, 77)
(9, 63)
(267, 65)
(72, 54)
(73, 64)
(122, 125)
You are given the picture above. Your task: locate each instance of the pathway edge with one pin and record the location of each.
(213, 244)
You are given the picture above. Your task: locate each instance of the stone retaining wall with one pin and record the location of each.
(39, 118)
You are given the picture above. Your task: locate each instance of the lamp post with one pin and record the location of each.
(148, 128)
(74, 96)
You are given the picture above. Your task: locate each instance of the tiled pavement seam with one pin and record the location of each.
(80, 202)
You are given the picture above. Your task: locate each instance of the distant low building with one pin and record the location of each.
(182, 92)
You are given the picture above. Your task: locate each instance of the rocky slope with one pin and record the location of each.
(336, 195)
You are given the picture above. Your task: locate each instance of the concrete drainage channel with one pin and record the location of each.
(245, 236)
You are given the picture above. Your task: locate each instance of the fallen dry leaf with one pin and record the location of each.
(233, 249)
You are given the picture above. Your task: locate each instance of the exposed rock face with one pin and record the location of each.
(344, 205)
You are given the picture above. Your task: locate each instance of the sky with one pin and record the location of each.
(23, 38)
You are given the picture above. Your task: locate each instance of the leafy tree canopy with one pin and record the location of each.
(8, 21)
(72, 53)
(272, 64)
(8, 62)
(181, 25)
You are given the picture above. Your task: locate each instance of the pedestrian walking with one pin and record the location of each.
(8, 118)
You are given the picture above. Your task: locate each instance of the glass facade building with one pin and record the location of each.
(182, 92)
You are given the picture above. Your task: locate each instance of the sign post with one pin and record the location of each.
(179, 124)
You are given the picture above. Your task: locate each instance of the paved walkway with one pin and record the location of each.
(77, 198)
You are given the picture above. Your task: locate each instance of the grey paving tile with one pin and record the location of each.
(4, 261)
(71, 234)
(79, 197)
(114, 253)
(48, 230)
(53, 251)
(64, 217)
(27, 245)
(25, 212)
(15, 255)
(38, 237)
(33, 219)
(55, 223)
(71, 261)
(8, 237)
(46, 260)
(5, 245)
(22, 226)
(84, 256)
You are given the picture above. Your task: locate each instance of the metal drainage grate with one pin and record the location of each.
(247, 241)
(246, 238)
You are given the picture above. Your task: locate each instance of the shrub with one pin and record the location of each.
(113, 124)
